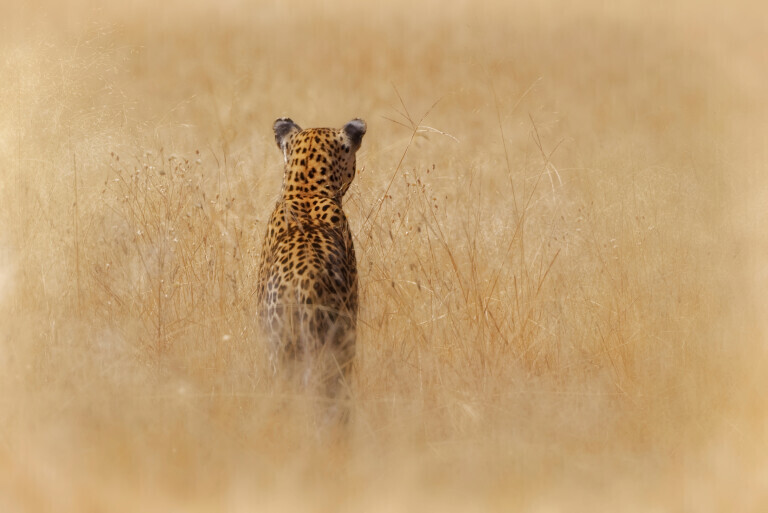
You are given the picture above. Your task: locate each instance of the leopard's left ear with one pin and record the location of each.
(284, 128)
(355, 130)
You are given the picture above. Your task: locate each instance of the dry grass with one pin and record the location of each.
(560, 226)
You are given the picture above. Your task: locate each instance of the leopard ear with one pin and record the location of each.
(284, 128)
(355, 130)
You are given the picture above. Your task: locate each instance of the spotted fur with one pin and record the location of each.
(307, 289)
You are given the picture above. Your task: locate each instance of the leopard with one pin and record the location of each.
(307, 286)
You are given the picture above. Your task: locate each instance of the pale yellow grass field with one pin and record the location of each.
(561, 244)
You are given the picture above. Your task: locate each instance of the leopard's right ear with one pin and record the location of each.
(284, 129)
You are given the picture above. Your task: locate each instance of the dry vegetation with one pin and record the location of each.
(559, 218)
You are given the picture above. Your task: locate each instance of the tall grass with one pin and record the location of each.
(558, 224)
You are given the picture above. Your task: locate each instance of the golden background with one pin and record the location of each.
(560, 222)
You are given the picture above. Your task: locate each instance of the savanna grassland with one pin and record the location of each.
(559, 217)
